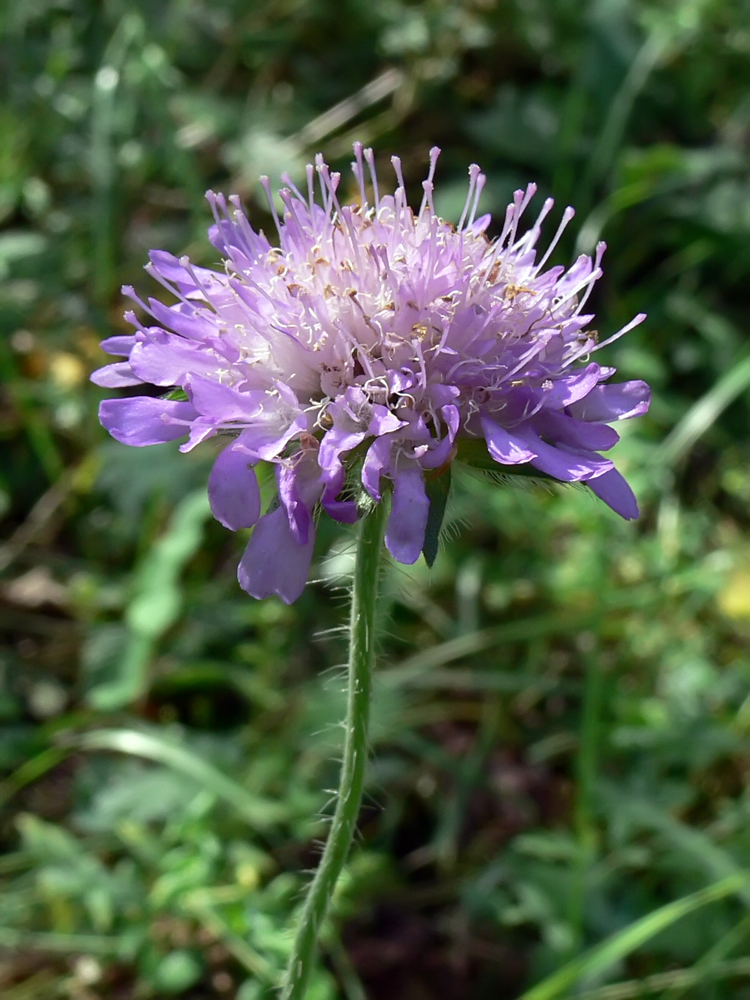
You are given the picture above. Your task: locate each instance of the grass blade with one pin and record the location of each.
(704, 413)
(621, 944)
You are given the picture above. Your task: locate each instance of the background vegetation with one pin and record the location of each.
(562, 719)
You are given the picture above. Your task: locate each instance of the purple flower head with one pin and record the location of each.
(360, 353)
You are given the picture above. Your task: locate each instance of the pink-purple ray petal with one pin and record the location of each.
(404, 535)
(274, 562)
(233, 490)
(145, 420)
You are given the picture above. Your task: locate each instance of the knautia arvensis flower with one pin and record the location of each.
(357, 350)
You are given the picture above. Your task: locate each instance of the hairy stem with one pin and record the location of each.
(361, 655)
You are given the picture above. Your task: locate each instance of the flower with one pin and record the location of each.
(359, 351)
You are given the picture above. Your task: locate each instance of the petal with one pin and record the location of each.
(116, 376)
(224, 402)
(298, 497)
(404, 536)
(344, 511)
(274, 421)
(144, 420)
(266, 441)
(479, 225)
(383, 421)
(567, 390)
(569, 465)
(614, 402)
(200, 430)
(197, 323)
(506, 448)
(121, 344)
(233, 490)
(615, 492)
(560, 428)
(273, 562)
(452, 417)
(376, 463)
(335, 442)
(438, 455)
(170, 267)
(166, 359)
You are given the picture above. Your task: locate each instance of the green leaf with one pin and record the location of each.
(260, 812)
(155, 606)
(86, 944)
(438, 490)
(157, 599)
(177, 971)
(178, 394)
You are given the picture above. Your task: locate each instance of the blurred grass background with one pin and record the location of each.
(562, 717)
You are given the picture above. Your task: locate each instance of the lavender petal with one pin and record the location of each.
(145, 420)
(404, 535)
(616, 493)
(233, 490)
(273, 562)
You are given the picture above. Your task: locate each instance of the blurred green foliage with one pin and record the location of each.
(558, 796)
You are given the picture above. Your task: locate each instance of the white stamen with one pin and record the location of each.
(434, 155)
(370, 158)
(266, 185)
(481, 181)
(359, 172)
(567, 216)
(474, 172)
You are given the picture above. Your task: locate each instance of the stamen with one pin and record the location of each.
(428, 187)
(310, 172)
(536, 348)
(346, 215)
(130, 292)
(396, 161)
(286, 196)
(218, 204)
(532, 235)
(510, 212)
(520, 201)
(434, 155)
(474, 172)
(370, 158)
(329, 183)
(186, 263)
(266, 185)
(130, 317)
(567, 216)
(286, 179)
(600, 248)
(481, 181)
(636, 321)
(254, 242)
(358, 170)
(420, 358)
(172, 289)
(588, 282)
(321, 169)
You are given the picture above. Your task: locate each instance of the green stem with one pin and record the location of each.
(351, 784)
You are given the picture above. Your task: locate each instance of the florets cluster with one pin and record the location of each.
(357, 350)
